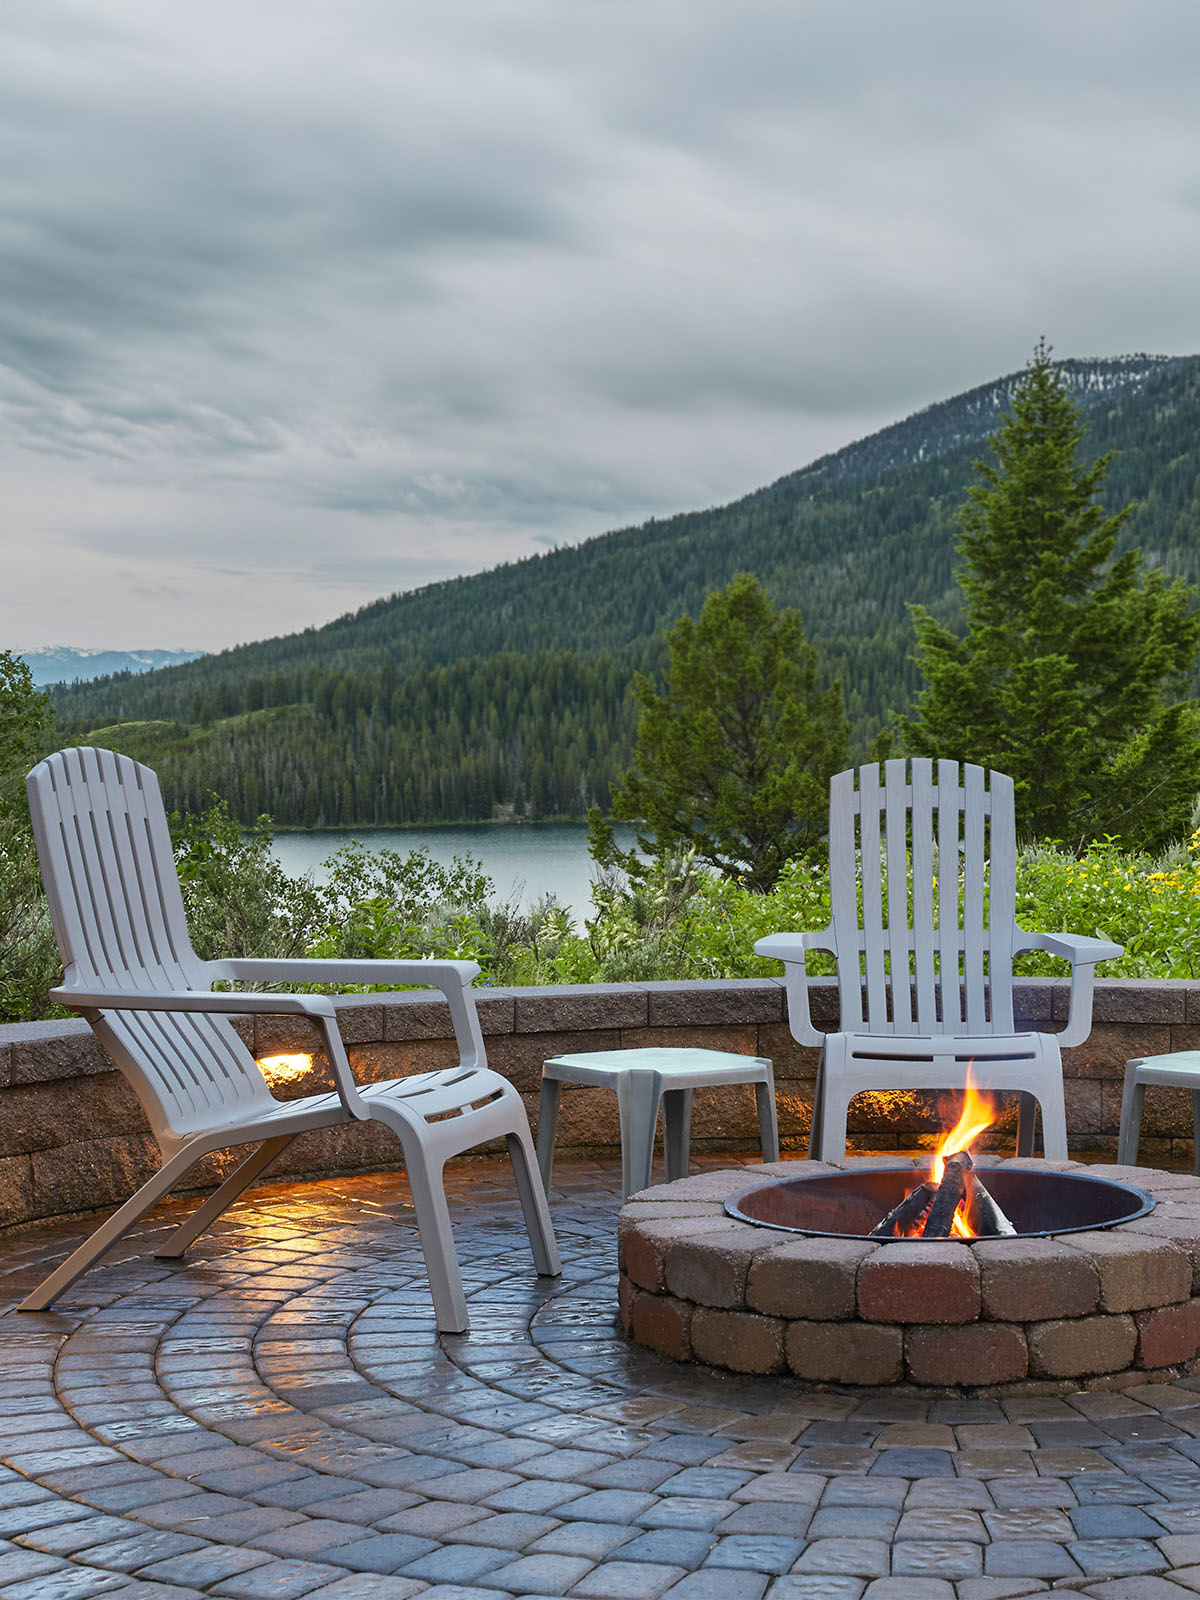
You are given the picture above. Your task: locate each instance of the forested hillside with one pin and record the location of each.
(354, 722)
(542, 735)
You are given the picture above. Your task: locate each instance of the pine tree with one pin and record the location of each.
(734, 759)
(1075, 661)
(26, 724)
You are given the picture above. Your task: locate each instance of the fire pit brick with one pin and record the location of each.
(1106, 1306)
(626, 1294)
(642, 1249)
(982, 1353)
(1136, 1272)
(663, 1324)
(912, 1281)
(1028, 1280)
(739, 1340)
(1080, 1347)
(1183, 1231)
(1168, 1335)
(810, 1278)
(711, 1268)
(845, 1352)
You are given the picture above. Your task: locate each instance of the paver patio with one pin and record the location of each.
(275, 1416)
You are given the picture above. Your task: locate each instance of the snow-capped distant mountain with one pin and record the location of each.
(61, 663)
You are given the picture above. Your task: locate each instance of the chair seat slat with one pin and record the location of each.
(898, 934)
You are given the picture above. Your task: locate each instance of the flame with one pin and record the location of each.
(978, 1113)
(285, 1069)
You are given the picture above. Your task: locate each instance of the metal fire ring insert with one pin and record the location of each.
(847, 1205)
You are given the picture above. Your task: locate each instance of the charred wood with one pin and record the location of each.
(908, 1216)
(948, 1197)
(983, 1215)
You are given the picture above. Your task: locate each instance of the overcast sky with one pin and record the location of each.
(308, 301)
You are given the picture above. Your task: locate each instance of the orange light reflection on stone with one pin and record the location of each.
(285, 1069)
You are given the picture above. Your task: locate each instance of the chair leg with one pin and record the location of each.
(1026, 1117)
(677, 1131)
(547, 1127)
(835, 1106)
(1053, 1104)
(240, 1179)
(109, 1232)
(818, 1109)
(1131, 1116)
(532, 1196)
(637, 1107)
(1196, 1132)
(768, 1119)
(437, 1242)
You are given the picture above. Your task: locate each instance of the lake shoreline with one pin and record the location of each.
(294, 828)
(526, 863)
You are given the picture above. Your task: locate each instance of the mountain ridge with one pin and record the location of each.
(852, 541)
(52, 663)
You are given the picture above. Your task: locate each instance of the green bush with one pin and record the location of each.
(677, 922)
(1152, 908)
(673, 922)
(29, 964)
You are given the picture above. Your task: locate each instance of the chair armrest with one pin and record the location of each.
(1083, 954)
(790, 949)
(317, 1006)
(1076, 948)
(304, 969)
(453, 978)
(270, 1005)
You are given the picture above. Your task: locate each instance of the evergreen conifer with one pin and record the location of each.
(1072, 673)
(734, 759)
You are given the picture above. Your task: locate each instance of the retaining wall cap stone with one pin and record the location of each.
(552, 1007)
(700, 1001)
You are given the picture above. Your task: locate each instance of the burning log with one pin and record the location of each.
(949, 1196)
(983, 1215)
(905, 1219)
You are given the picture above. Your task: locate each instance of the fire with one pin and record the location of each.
(978, 1113)
(285, 1069)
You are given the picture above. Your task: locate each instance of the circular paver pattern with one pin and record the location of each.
(276, 1417)
(983, 1314)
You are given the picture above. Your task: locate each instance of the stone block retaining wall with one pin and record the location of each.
(72, 1135)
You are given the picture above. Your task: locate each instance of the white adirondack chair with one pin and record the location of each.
(925, 991)
(118, 916)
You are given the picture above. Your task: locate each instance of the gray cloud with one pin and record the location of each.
(306, 303)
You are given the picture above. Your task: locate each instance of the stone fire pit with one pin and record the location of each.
(1080, 1309)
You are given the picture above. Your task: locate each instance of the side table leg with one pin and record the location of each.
(1131, 1115)
(677, 1131)
(768, 1120)
(637, 1105)
(547, 1125)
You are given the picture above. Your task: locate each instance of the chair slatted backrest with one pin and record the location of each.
(109, 870)
(915, 957)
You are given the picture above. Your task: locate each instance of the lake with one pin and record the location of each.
(523, 861)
